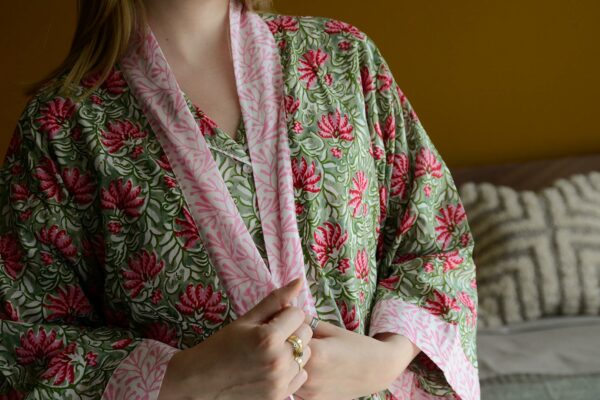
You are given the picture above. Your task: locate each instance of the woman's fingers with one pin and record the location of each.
(297, 382)
(287, 321)
(305, 334)
(274, 302)
(299, 376)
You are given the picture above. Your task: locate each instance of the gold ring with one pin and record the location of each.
(296, 345)
(299, 361)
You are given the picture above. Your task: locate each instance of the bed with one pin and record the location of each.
(541, 356)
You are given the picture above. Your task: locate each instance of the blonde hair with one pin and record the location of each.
(103, 30)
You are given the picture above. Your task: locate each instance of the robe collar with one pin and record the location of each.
(260, 89)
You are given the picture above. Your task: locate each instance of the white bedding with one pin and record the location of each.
(556, 346)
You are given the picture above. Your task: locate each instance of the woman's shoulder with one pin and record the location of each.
(55, 102)
(317, 31)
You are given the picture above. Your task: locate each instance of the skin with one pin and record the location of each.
(194, 37)
(249, 358)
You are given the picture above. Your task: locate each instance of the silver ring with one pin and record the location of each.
(314, 322)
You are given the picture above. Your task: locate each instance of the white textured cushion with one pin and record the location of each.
(537, 253)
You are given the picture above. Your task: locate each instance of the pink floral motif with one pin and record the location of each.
(48, 175)
(9, 313)
(377, 152)
(61, 366)
(11, 254)
(207, 125)
(156, 296)
(328, 241)
(449, 219)
(113, 84)
(291, 104)
(334, 26)
(55, 116)
(344, 45)
(13, 394)
(189, 232)
(427, 164)
(311, 63)
(408, 220)
(367, 80)
(383, 198)
(403, 257)
(298, 128)
(465, 299)
(349, 317)
(143, 269)
(114, 227)
(336, 152)
(81, 186)
(202, 302)
(427, 190)
(90, 359)
(385, 80)
(465, 239)
(19, 192)
(390, 282)
(121, 344)
(163, 162)
(305, 177)
(162, 332)
(59, 239)
(120, 134)
(451, 260)
(283, 23)
(334, 125)
(442, 304)
(343, 265)
(122, 196)
(389, 129)
(361, 264)
(170, 182)
(38, 348)
(400, 176)
(68, 304)
(359, 186)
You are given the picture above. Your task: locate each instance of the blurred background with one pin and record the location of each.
(492, 81)
(509, 92)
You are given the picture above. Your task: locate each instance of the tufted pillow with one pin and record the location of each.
(537, 253)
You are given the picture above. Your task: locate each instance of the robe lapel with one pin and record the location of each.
(259, 81)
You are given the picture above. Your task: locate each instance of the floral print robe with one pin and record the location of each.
(103, 272)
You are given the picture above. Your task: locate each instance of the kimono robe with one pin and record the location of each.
(113, 250)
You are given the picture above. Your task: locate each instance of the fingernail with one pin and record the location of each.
(293, 282)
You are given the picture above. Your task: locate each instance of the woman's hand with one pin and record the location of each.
(247, 359)
(345, 365)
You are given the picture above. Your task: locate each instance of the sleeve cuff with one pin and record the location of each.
(140, 375)
(438, 339)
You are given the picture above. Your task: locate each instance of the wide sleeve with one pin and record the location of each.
(55, 341)
(426, 287)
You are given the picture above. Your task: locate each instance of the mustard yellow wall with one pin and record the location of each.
(493, 81)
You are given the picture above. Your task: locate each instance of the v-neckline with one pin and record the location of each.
(239, 138)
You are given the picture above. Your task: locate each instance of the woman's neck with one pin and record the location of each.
(189, 27)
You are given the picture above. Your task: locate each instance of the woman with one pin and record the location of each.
(149, 250)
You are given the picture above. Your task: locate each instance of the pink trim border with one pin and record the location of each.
(260, 90)
(140, 375)
(436, 338)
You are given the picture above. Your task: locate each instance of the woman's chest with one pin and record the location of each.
(159, 275)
